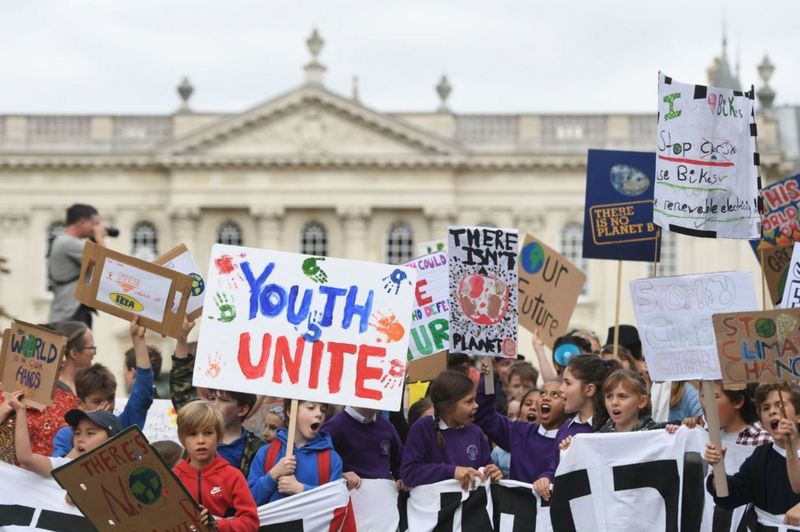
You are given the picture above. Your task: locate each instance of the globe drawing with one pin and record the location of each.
(532, 257)
(629, 180)
(145, 484)
(198, 285)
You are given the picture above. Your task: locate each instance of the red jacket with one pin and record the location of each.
(222, 489)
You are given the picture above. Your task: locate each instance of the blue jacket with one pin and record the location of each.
(134, 413)
(265, 489)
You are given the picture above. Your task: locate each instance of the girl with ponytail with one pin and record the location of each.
(447, 445)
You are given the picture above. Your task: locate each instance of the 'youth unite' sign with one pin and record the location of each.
(483, 290)
(301, 327)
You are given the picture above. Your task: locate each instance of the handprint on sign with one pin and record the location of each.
(394, 280)
(228, 271)
(389, 327)
(227, 310)
(314, 331)
(394, 375)
(214, 367)
(312, 270)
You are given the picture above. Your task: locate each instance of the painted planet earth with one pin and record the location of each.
(532, 257)
(198, 285)
(145, 484)
(629, 180)
(765, 327)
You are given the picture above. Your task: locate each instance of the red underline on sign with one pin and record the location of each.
(695, 161)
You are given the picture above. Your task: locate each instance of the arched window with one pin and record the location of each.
(53, 230)
(229, 233)
(669, 254)
(144, 241)
(314, 240)
(572, 249)
(399, 243)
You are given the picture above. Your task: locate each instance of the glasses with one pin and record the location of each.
(92, 348)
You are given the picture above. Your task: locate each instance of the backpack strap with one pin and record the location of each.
(273, 451)
(324, 466)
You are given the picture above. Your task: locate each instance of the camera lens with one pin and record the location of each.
(112, 231)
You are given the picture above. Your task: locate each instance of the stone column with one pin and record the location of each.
(354, 222)
(184, 220)
(439, 219)
(269, 225)
(528, 222)
(23, 284)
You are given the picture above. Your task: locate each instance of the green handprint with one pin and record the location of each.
(227, 310)
(312, 270)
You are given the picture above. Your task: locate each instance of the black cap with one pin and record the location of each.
(102, 418)
(628, 337)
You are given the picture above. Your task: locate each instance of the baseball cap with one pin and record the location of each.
(102, 418)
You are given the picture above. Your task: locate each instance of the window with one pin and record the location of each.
(144, 241)
(229, 233)
(399, 243)
(53, 230)
(669, 254)
(314, 240)
(572, 249)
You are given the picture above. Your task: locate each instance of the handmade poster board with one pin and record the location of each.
(125, 485)
(430, 318)
(549, 288)
(483, 290)
(758, 346)
(619, 206)
(161, 422)
(775, 264)
(126, 287)
(302, 327)
(781, 217)
(427, 368)
(707, 175)
(791, 290)
(30, 357)
(431, 246)
(180, 259)
(674, 319)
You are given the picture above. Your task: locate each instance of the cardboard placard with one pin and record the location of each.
(127, 287)
(427, 368)
(776, 264)
(758, 346)
(430, 318)
(549, 287)
(618, 220)
(707, 174)
(303, 327)
(673, 315)
(124, 484)
(180, 259)
(30, 358)
(484, 285)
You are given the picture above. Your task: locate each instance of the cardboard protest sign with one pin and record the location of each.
(483, 290)
(619, 206)
(180, 259)
(427, 368)
(125, 485)
(549, 287)
(707, 176)
(431, 314)
(127, 287)
(674, 318)
(775, 264)
(758, 346)
(431, 246)
(791, 290)
(161, 422)
(30, 358)
(315, 328)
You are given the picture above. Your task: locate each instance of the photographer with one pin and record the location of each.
(64, 264)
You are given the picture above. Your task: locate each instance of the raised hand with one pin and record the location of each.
(227, 310)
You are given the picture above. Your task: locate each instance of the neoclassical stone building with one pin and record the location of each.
(314, 171)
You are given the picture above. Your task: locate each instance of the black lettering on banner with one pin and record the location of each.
(571, 485)
(288, 526)
(518, 502)
(722, 519)
(693, 496)
(661, 475)
(474, 517)
(15, 514)
(61, 522)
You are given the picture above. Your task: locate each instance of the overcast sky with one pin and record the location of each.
(127, 56)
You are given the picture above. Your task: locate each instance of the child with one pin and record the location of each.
(531, 445)
(448, 445)
(514, 406)
(368, 444)
(237, 445)
(97, 388)
(627, 401)
(582, 391)
(769, 478)
(522, 376)
(219, 488)
(274, 420)
(423, 407)
(129, 368)
(273, 476)
(738, 418)
(528, 404)
(90, 430)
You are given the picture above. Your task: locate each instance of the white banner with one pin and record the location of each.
(375, 505)
(162, 420)
(791, 288)
(431, 315)
(308, 511)
(727, 520)
(673, 315)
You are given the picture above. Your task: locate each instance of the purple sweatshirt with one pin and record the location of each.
(371, 449)
(424, 462)
(530, 445)
(570, 428)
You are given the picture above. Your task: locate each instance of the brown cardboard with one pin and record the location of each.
(164, 259)
(94, 259)
(549, 287)
(31, 364)
(757, 346)
(103, 484)
(427, 368)
(775, 262)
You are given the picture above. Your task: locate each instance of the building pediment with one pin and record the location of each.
(310, 121)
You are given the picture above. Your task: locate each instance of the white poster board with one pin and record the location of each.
(301, 327)
(431, 315)
(673, 315)
(707, 176)
(134, 289)
(791, 289)
(180, 259)
(162, 419)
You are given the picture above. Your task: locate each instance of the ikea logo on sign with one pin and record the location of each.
(126, 302)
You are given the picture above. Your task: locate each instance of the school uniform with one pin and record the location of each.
(425, 462)
(530, 444)
(370, 447)
(644, 423)
(570, 428)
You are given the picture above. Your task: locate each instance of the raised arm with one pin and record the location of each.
(180, 376)
(37, 463)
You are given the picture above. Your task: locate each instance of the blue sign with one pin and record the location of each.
(618, 222)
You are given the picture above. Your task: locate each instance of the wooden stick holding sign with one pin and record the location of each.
(616, 312)
(763, 281)
(292, 429)
(712, 418)
(489, 381)
(791, 450)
